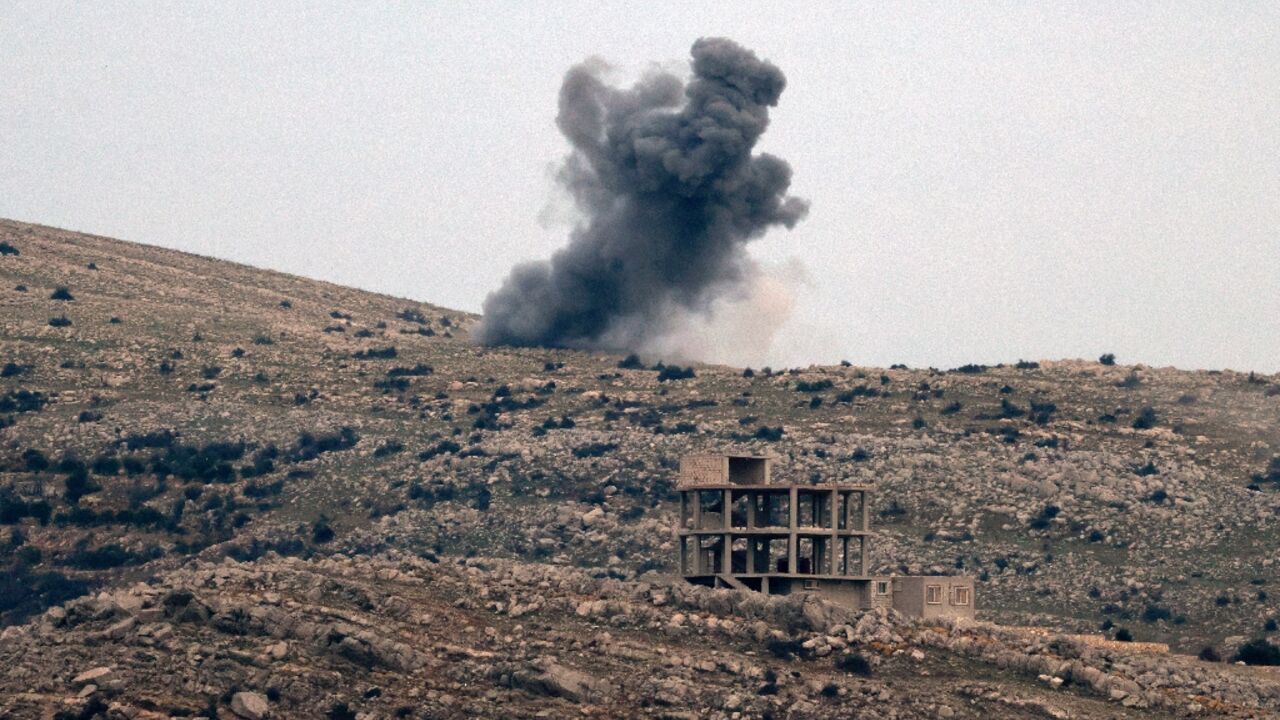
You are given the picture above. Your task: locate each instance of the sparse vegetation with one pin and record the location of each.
(23, 401)
(321, 531)
(108, 556)
(854, 663)
(310, 446)
(385, 353)
(468, 459)
(12, 369)
(769, 434)
(1258, 652)
(1146, 419)
(419, 370)
(1155, 613)
(444, 447)
(674, 372)
(594, 450)
(24, 593)
(785, 649)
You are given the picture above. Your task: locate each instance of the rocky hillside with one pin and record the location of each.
(198, 439)
(398, 635)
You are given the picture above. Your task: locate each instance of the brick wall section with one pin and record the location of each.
(696, 470)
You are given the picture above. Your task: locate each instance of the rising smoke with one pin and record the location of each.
(670, 193)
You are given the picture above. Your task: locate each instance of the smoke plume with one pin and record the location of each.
(740, 326)
(669, 193)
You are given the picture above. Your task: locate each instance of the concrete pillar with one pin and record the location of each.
(696, 502)
(792, 542)
(726, 558)
(866, 510)
(866, 527)
(835, 537)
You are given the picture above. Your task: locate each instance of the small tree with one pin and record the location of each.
(853, 662)
(675, 372)
(1146, 419)
(320, 531)
(1258, 652)
(1108, 359)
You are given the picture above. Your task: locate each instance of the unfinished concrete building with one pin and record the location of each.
(739, 529)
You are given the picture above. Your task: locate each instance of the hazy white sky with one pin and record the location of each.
(988, 182)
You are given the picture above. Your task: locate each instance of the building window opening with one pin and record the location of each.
(773, 509)
(741, 512)
(805, 552)
(933, 594)
(960, 596)
(882, 587)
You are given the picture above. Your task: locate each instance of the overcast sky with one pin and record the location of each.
(988, 182)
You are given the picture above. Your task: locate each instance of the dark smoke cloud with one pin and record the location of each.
(670, 192)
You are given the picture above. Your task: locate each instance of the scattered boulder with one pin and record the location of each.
(545, 676)
(249, 705)
(94, 675)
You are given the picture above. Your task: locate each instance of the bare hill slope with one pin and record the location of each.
(171, 411)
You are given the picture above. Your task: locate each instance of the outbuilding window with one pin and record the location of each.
(960, 596)
(933, 594)
(882, 587)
